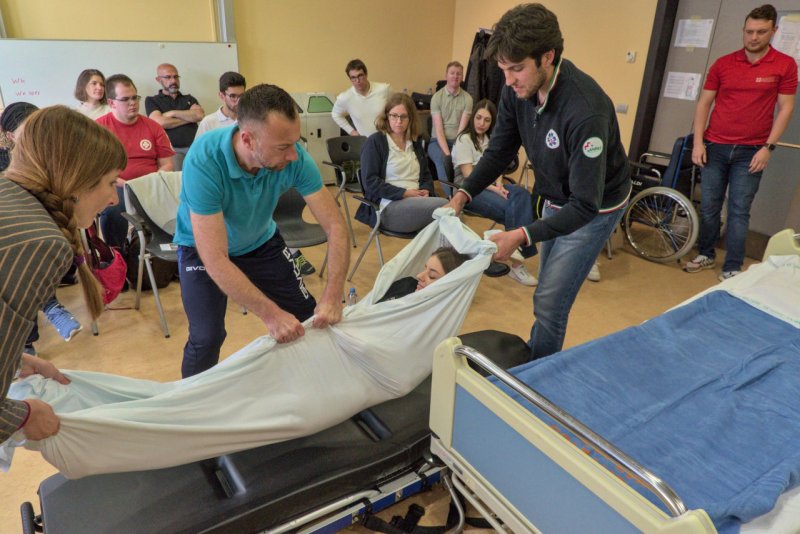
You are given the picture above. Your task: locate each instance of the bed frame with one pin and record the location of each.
(480, 433)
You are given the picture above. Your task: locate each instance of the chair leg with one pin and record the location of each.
(139, 280)
(378, 246)
(343, 196)
(95, 330)
(158, 299)
(608, 248)
(324, 264)
(363, 251)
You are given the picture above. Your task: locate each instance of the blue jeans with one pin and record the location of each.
(269, 267)
(437, 157)
(513, 212)
(727, 168)
(564, 263)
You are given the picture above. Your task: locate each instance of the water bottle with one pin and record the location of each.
(352, 297)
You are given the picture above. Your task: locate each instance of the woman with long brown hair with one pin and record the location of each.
(63, 172)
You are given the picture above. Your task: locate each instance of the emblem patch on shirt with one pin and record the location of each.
(592, 147)
(551, 139)
(145, 144)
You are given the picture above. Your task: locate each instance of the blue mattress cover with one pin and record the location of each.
(706, 396)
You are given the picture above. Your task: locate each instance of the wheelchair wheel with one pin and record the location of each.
(661, 224)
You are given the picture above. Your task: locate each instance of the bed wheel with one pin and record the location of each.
(30, 523)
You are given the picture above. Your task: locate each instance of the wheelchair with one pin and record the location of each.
(661, 223)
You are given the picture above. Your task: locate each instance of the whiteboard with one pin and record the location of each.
(44, 72)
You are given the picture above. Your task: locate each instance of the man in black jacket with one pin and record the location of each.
(569, 130)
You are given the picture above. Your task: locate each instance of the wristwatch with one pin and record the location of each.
(769, 146)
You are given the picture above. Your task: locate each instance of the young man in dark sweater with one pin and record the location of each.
(570, 133)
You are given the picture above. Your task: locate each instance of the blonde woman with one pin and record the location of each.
(63, 171)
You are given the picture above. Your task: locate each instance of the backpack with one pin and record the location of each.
(106, 263)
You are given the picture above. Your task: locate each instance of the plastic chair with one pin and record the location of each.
(296, 232)
(345, 154)
(151, 206)
(376, 230)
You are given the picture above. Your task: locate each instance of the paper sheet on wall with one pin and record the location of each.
(787, 38)
(682, 85)
(694, 33)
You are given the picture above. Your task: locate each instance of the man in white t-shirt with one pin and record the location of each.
(232, 86)
(362, 103)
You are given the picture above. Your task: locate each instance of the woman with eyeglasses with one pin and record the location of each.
(509, 205)
(90, 91)
(395, 171)
(63, 171)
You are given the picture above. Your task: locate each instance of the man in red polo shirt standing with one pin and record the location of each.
(737, 144)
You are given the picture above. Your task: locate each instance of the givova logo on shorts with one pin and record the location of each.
(592, 147)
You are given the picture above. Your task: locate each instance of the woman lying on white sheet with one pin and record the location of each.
(442, 261)
(265, 392)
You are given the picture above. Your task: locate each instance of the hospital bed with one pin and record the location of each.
(319, 483)
(527, 447)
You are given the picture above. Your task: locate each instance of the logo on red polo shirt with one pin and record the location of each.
(766, 79)
(145, 144)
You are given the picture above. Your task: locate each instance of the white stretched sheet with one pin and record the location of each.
(265, 393)
(772, 286)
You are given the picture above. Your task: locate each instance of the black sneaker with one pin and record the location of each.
(303, 264)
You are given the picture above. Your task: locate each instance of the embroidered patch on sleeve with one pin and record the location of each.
(592, 147)
(551, 139)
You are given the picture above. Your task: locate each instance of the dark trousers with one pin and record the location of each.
(269, 267)
(112, 224)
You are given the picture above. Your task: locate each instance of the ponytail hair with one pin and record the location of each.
(59, 155)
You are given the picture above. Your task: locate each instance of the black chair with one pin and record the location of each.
(159, 192)
(376, 230)
(345, 154)
(296, 232)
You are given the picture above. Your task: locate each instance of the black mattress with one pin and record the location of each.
(264, 487)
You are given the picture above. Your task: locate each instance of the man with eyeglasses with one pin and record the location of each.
(146, 144)
(176, 112)
(363, 102)
(232, 86)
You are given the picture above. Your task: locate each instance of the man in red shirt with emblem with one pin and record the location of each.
(146, 144)
(736, 146)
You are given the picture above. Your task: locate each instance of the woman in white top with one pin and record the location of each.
(395, 170)
(509, 205)
(90, 90)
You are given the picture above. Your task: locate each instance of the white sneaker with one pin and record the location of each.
(521, 275)
(594, 274)
(728, 274)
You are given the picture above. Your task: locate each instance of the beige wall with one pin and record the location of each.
(182, 20)
(596, 38)
(301, 45)
(304, 45)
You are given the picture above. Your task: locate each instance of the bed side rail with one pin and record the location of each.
(653, 483)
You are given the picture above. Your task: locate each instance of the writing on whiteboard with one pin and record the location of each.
(17, 80)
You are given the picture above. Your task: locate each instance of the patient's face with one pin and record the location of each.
(432, 272)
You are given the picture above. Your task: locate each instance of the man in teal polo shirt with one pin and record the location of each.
(229, 244)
